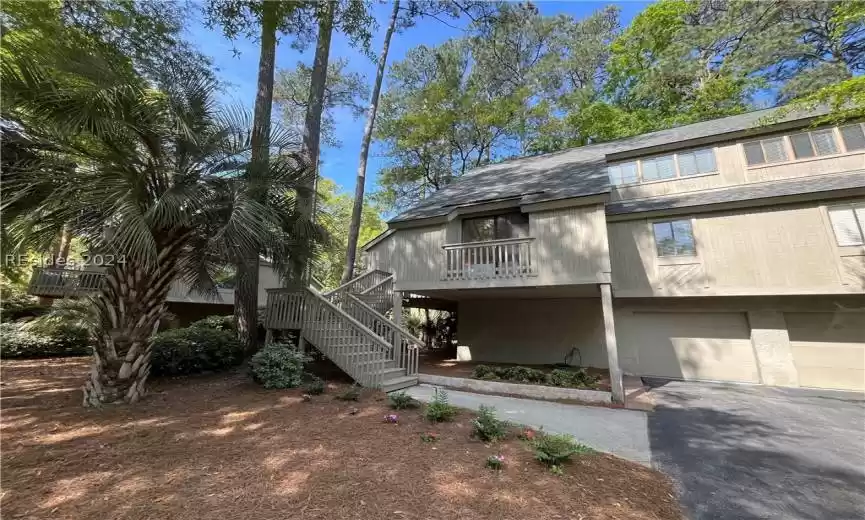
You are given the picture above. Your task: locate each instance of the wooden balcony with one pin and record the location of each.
(492, 260)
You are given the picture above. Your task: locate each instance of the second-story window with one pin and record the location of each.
(853, 136)
(624, 173)
(811, 144)
(658, 168)
(495, 227)
(697, 162)
(765, 151)
(674, 238)
(848, 223)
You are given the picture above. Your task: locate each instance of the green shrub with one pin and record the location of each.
(193, 350)
(483, 372)
(350, 394)
(278, 365)
(439, 410)
(402, 401)
(18, 342)
(572, 378)
(525, 375)
(487, 427)
(553, 450)
(495, 462)
(225, 323)
(315, 386)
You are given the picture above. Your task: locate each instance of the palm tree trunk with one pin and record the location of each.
(246, 287)
(128, 307)
(312, 125)
(360, 184)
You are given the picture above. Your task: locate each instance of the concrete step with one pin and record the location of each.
(398, 383)
(392, 373)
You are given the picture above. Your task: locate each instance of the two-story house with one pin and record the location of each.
(728, 250)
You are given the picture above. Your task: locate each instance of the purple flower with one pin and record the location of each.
(391, 418)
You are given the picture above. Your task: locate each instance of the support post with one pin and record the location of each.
(397, 308)
(616, 385)
(396, 341)
(268, 337)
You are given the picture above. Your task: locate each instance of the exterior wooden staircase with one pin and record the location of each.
(349, 326)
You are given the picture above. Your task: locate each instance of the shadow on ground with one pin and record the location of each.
(747, 452)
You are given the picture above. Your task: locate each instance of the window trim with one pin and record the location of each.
(678, 171)
(675, 258)
(791, 153)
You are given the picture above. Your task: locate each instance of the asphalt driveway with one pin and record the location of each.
(754, 452)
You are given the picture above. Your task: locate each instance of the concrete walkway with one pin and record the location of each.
(621, 432)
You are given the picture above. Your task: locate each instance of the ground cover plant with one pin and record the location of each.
(570, 377)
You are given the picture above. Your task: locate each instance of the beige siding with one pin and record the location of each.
(779, 250)
(412, 254)
(379, 255)
(714, 346)
(533, 331)
(268, 278)
(570, 245)
(828, 348)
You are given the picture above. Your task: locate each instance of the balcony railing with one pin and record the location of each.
(495, 259)
(64, 283)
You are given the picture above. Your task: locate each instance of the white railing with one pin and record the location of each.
(360, 283)
(495, 259)
(406, 347)
(284, 309)
(379, 296)
(59, 282)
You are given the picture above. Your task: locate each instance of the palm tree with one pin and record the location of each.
(158, 182)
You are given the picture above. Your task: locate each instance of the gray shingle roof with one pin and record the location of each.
(766, 190)
(577, 172)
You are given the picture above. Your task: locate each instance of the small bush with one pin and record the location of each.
(193, 350)
(496, 462)
(484, 372)
(315, 386)
(225, 323)
(487, 427)
(524, 375)
(439, 410)
(402, 401)
(572, 378)
(553, 450)
(61, 341)
(351, 394)
(278, 366)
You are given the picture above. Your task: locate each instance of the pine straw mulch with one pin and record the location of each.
(221, 447)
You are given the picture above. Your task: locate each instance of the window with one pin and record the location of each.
(854, 137)
(765, 151)
(697, 162)
(848, 222)
(674, 238)
(810, 144)
(495, 227)
(624, 173)
(658, 168)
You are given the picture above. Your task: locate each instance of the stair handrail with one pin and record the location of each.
(405, 333)
(353, 281)
(379, 284)
(357, 324)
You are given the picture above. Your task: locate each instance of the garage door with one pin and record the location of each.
(712, 346)
(828, 348)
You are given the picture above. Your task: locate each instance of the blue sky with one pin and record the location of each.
(239, 71)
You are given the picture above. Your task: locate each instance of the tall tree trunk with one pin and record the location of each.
(129, 306)
(246, 286)
(312, 124)
(360, 184)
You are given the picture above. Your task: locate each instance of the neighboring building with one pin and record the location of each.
(727, 250)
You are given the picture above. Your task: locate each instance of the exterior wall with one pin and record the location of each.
(540, 331)
(733, 171)
(412, 254)
(267, 279)
(779, 250)
(816, 341)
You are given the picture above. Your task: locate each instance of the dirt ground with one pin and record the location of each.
(221, 447)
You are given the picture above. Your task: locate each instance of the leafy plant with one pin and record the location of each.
(484, 372)
(278, 365)
(16, 341)
(351, 394)
(496, 462)
(194, 350)
(440, 410)
(554, 449)
(572, 378)
(524, 375)
(487, 427)
(225, 323)
(429, 437)
(315, 386)
(402, 401)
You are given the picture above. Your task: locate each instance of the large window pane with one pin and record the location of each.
(674, 238)
(706, 160)
(479, 229)
(802, 146)
(848, 231)
(624, 173)
(664, 241)
(688, 164)
(824, 142)
(854, 137)
(684, 237)
(754, 153)
(659, 168)
(512, 225)
(774, 150)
